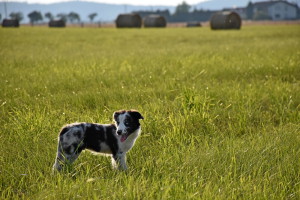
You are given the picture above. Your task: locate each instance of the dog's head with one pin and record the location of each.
(127, 122)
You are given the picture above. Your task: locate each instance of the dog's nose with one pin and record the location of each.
(119, 132)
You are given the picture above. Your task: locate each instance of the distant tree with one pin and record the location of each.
(49, 16)
(249, 10)
(0, 16)
(35, 16)
(72, 16)
(92, 16)
(62, 16)
(182, 8)
(17, 16)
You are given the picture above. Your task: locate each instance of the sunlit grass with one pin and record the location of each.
(221, 111)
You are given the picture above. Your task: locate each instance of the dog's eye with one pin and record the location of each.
(126, 123)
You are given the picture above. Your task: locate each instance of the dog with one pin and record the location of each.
(110, 139)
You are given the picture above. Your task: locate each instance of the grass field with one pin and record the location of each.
(221, 111)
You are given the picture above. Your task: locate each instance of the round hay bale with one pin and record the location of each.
(155, 21)
(193, 24)
(10, 23)
(57, 23)
(225, 20)
(129, 21)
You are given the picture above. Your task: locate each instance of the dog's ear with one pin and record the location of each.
(135, 114)
(115, 115)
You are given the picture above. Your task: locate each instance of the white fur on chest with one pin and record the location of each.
(129, 142)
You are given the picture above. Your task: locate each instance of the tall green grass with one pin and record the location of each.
(221, 111)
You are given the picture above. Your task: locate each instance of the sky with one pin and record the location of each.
(132, 2)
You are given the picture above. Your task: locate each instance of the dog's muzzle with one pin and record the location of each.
(119, 132)
(123, 134)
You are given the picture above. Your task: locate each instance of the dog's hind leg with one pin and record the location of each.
(67, 153)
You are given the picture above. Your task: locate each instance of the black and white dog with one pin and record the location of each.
(113, 139)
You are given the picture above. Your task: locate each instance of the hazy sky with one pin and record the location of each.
(135, 2)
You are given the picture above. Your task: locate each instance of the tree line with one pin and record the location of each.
(36, 17)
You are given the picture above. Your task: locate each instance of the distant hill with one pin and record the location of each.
(109, 12)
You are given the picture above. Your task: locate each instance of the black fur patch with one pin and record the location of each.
(133, 120)
(111, 140)
(64, 130)
(133, 124)
(94, 135)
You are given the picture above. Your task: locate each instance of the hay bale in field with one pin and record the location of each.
(10, 23)
(225, 20)
(193, 24)
(129, 21)
(155, 21)
(57, 23)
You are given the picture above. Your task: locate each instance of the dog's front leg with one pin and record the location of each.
(122, 165)
(119, 161)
